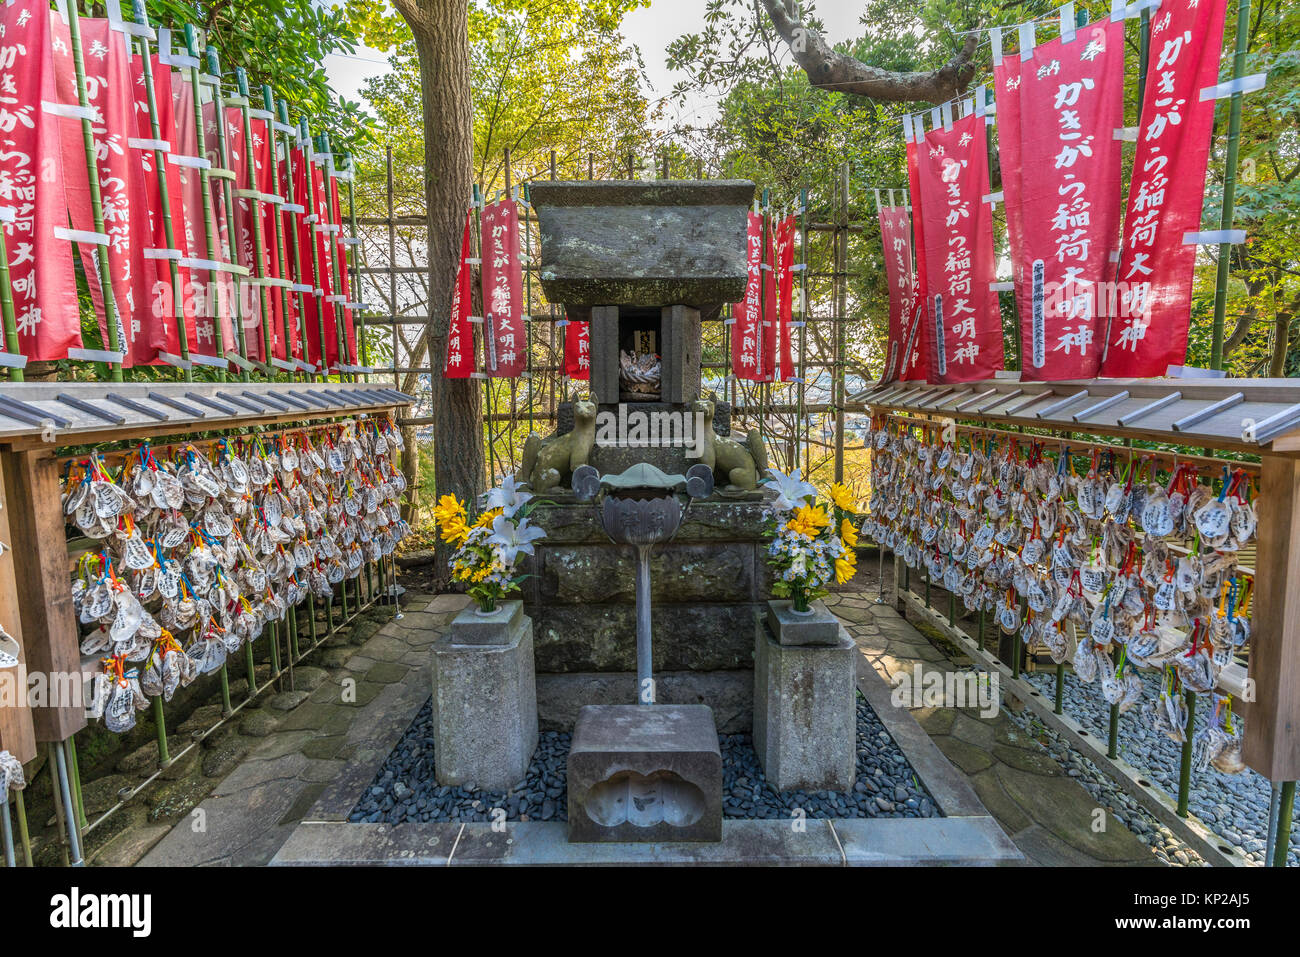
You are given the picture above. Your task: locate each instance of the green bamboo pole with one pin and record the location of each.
(205, 182)
(1060, 689)
(7, 310)
(1285, 812)
(355, 256)
(268, 103)
(228, 196)
(340, 323)
(111, 320)
(1185, 764)
(164, 194)
(24, 836)
(252, 669)
(255, 207)
(295, 257)
(309, 200)
(1229, 186)
(160, 724)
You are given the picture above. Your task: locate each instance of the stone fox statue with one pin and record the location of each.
(739, 464)
(549, 462)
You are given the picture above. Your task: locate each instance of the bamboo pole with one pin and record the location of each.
(295, 254)
(205, 184)
(1229, 186)
(255, 210)
(356, 254)
(228, 196)
(312, 219)
(111, 321)
(327, 179)
(268, 104)
(164, 194)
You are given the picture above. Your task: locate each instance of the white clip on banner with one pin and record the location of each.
(1243, 84)
(995, 44)
(1002, 287)
(12, 360)
(138, 143)
(1215, 237)
(1067, 22)
(70, 111)
(163, 254)
(216, 362)
(1027, 41)
(1126, 134)
(96, 355)
(8, 214)
(282, 364)
(81, 236)
(293, 208)
(190, 162)
(175, 360)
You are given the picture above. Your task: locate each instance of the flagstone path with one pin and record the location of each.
(370, 691)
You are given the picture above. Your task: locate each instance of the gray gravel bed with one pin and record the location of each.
(1234, 806)
(405, 789)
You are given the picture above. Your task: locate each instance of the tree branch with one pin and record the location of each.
(829, 69)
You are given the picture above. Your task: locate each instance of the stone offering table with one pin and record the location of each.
(641, 774)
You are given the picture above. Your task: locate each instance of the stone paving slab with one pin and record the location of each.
(1049, 816)
(868, 842)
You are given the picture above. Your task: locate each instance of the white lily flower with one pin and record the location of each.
(791, 490)
(508, 497)
(512, 539)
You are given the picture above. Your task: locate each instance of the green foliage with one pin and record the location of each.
(283, 43)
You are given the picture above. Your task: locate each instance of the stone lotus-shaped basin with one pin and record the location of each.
(663, 797)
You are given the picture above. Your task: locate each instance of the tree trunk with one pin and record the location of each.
(441, 30)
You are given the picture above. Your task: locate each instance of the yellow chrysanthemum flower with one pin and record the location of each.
(812, 516)
(455, 530)
(843, 497)
(487, 518)
(848, 534)
(844, 570)
(448, 509)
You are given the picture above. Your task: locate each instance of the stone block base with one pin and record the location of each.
(484, 708)
(645, 773)
(805, 716)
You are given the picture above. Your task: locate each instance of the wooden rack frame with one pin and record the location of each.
(1209, 414)
(37, 420)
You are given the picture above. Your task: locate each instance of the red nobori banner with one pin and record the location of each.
(210, 307)
(1166, 193)
(1072, 101)
(785, 297)
(577, 349)
(460, 332)
(31, 184)
(503, 297)
(164, 296)
(896, 237)
(344, 282)
(964, 319)
(916, 342)
(123, 196)
(1006, 93)
(746, 328)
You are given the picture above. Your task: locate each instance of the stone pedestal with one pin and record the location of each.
(805, 715)
(485, 699)
(816, 627)
(645, 773)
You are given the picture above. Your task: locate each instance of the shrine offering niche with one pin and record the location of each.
(647, 264)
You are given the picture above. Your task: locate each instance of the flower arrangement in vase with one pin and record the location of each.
(488, 548)
(812, 540)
